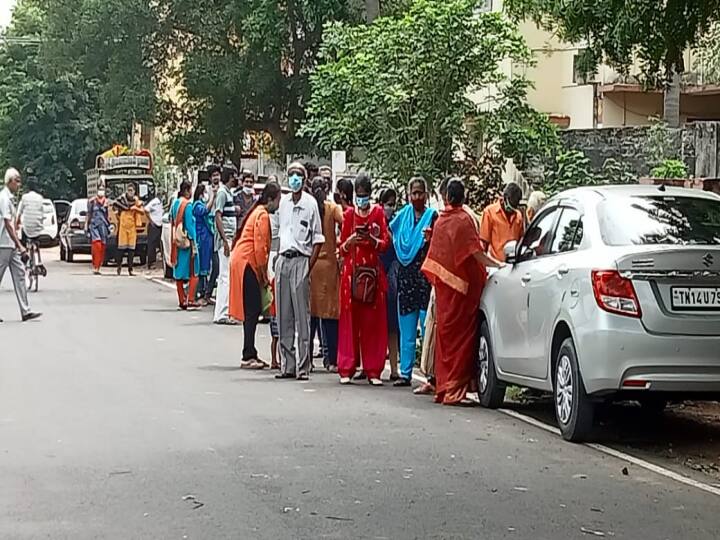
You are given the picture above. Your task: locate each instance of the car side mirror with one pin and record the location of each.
(510, 251)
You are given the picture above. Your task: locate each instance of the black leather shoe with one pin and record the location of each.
(31, 316)
(285, 376)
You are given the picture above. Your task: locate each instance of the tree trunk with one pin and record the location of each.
(671, 101)
(372, 10)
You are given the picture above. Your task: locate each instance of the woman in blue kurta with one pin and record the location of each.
(203, 201)
(186, 262)
(409, 228)
(97, 225)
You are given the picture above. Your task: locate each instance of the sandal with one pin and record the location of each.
(425, 390)
(252, 364)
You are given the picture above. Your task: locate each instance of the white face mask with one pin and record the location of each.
(101, 192)
(205, 196)
(248, 191)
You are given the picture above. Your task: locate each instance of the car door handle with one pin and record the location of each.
(563, 271)
(574, 293)
(526, 279)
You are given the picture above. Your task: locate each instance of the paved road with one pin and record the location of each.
(122, 418)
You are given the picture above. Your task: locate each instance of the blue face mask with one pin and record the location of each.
(296, 182)
(362, 202)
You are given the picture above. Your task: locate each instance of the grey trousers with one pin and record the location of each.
(10, 258)
(292, 289)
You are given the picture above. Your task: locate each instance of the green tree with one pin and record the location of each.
(707, 60)
(112, 46)
(242, 67)
(399, 88)
(656, 32)
(49, 124)
(510, 129)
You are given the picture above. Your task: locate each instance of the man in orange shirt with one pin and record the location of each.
(502, 222)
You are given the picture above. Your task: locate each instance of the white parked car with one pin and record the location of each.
(49, 235)
(613, 293)
(73, 238)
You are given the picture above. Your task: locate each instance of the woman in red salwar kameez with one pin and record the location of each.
(456, 267)
(363, 333)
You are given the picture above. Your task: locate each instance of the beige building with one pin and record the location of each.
(605, 99)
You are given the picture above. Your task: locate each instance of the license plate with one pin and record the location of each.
(696, 298)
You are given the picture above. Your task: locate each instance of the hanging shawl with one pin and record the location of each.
(408, 236)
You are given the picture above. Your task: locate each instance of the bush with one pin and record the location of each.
(670, 168)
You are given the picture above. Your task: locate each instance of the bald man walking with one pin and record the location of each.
(12, 251)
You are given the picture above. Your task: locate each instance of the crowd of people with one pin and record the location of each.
(369, 279)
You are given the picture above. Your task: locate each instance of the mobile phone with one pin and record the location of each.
(361, 230)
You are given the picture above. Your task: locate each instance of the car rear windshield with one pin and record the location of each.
(660, 220)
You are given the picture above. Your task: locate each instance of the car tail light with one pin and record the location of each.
(75, 224)
(615, 293)
(636, 383)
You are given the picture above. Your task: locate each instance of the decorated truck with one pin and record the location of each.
(116, 169)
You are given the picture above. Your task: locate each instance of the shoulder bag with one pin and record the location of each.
(180, 236)
(364, 279)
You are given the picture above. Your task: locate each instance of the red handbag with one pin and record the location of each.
(364, 281)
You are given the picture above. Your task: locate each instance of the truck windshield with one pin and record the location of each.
(144, 188)
(660, 220)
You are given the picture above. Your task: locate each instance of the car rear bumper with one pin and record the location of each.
(78, 242)
(630, 359)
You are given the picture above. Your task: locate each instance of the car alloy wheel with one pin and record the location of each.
(564, 390)
(490, 389)
(483, 365)
(574, 409)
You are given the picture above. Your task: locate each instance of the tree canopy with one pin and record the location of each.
(656, 32)
(47, 124)
(242, 67)
(73, 78)
(399, 88)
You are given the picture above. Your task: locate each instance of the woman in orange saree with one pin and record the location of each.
(456, 267)
(248, 270)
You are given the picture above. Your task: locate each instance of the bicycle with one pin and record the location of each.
(34, 267)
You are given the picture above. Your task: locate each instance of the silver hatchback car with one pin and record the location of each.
(613, 293)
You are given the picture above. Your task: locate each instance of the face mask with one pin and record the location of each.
(362, 202)
(509, 208)
(248, 191)
(101, 193)
(205, 196)
(389, 212)
(296, 182)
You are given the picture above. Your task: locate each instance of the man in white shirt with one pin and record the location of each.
(300, 241)
(12, 251)
(31, 216)
(225, 229)
(155, 210)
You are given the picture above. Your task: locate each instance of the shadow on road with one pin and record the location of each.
(686, 434)
(219, 368)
